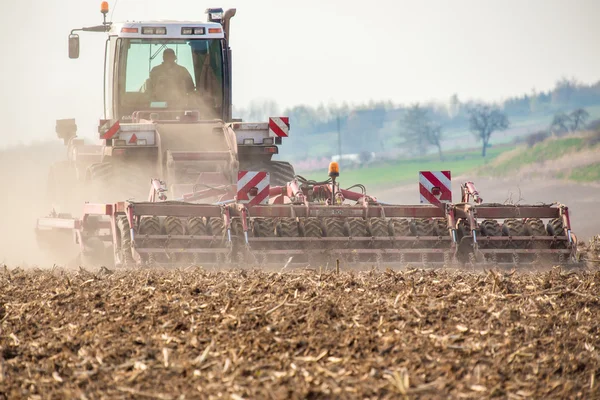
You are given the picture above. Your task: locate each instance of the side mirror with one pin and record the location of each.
(73, 46)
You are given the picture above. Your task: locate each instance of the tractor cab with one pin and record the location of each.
(166, 71)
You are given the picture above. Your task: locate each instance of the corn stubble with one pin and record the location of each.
(195, 333)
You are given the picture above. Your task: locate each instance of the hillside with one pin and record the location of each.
(575, 158)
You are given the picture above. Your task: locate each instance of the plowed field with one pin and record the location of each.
(185, 334)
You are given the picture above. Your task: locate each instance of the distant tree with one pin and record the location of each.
(484, 120)
(533, 101)
(578, 119)
(561, 123)
(412, 129)
(564, 90)
(419, 132)
(453, 106)
(434, 137)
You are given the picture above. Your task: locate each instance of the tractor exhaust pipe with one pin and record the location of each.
(228, 15)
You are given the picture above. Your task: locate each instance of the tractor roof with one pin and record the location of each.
(167, 29)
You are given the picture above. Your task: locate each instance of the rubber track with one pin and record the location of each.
(237, 228)
(535, 227)
(400, 227)
(263, 227)
(282, 172)
(333, 227)
(196, 226)
(216, 227)
(125, 242)
(491, 228)
(440, 226)
(514, 227)
(555, 227)
(357, 227)
(423, 227)
(311, 227)
(463, 229)
(149, 226)
(174, 226)
(288, 227)
(378, 227)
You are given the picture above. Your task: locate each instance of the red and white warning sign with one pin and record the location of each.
(279, 126)
(435, 187)
(112, 128)
(253, 187)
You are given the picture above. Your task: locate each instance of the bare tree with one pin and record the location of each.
(433, 133)
(419, 132)
(561, 123)
(578, 119)
(484, 120)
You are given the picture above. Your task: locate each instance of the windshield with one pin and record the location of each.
(172, 74)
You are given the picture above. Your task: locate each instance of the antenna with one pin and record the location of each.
(113, 10)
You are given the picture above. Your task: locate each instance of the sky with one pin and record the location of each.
(308, 52)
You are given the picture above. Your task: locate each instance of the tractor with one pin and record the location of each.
(167, 113)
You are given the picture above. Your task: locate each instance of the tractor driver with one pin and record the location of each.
(170, 81)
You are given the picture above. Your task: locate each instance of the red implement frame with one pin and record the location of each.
(298, 202)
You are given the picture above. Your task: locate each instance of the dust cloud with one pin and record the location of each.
(23, 173)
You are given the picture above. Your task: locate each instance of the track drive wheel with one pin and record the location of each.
(440, 226)
(288, 228)
(535, 227)
(424, 227)
(123, 255)
(555, 227)
(262, 227)
(149, 226)
(334, 227)
(310, 227)
(379, 227)
(196, 226)
(514, 227)
(216, 227)
(174, 226)
(357, 227)
(400, 227)
(490, 228)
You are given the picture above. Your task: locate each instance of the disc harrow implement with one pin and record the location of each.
(308, 223)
